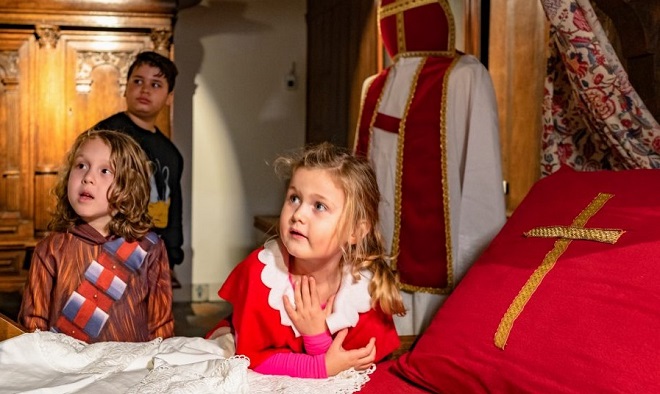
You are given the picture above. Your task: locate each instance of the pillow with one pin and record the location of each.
(587, 320)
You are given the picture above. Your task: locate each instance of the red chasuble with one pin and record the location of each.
(421, 232)
(409, 101)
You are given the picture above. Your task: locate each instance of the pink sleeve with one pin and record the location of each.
(294, 364)
(317, 344)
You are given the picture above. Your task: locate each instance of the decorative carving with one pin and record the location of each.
(47, 35)
(162, 39)
(9, 69)
(87, 61)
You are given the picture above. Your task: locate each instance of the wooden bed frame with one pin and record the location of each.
(9, 328)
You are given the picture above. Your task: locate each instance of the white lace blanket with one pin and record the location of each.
(45, 362)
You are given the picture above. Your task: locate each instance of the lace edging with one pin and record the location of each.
(352, 298)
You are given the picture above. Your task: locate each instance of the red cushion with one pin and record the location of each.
(593, 322)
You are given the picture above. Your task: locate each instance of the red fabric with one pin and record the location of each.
(422, 245)
(426, 28)
(367, 112)
(112, 267)
(591, 326)
(126, 249)
(68, 327)
(387, 123)
(422, 254)
(259, 333)
(84, 313)
(384, 381)
(90, 292)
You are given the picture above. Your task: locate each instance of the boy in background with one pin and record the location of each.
(149, 87)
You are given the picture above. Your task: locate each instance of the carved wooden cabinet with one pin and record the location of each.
(63, 67)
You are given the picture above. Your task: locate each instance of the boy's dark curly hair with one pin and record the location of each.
(166, 66)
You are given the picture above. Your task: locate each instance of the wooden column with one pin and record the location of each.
(517, 58)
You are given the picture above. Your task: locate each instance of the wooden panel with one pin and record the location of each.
(368, 63)
(15, 144)
(12, 275)
(342, 52)
(145, 14)
(44, 201)
(63, 68)
(10, 328)
(49, 119)
(96, 68)
(517, 58)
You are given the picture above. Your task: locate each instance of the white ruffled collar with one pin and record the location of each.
(351, 299)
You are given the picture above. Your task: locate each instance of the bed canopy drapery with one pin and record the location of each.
(592, 116)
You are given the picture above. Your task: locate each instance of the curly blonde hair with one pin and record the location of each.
(128, 196)
(357, 179)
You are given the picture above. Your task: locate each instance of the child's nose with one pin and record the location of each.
(298, 214)
(88, 178)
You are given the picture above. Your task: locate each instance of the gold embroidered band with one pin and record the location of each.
(609, 236)
(528, 289)
(401, 6)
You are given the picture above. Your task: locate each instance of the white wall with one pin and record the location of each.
(232, 116)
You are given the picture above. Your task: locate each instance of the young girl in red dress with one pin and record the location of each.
(319, 298)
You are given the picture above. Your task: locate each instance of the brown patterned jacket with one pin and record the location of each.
(60, 260)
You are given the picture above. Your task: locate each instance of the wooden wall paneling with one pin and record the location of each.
(368, 62)
(632, 28)
(62, 67)
(96, 68)
(15, 171)
(10, 159)
(49, 133)
(341, 54)
(12, 275)
(517, 60)
(326, 116)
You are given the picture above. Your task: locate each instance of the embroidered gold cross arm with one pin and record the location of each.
(609, 236)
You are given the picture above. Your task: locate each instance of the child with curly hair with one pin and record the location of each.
(101, 274)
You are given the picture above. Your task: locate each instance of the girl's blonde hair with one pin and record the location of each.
(128, 196)
(357, 179)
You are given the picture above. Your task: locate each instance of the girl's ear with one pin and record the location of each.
(361, 230)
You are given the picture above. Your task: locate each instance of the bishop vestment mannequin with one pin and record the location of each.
(429, 124)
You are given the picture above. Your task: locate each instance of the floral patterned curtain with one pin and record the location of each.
(592, 117)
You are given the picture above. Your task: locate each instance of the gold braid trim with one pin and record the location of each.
(450, 53)
(528, 289)
(400, 33)
(609, 236)
(401, 6)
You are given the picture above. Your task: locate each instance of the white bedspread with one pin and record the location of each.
(45, 362)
